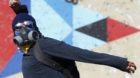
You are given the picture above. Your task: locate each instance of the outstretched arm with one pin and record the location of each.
(63, 50)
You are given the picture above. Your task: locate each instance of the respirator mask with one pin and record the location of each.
(25, 33)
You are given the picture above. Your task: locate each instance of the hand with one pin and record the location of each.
(15, 5)
(131, 67)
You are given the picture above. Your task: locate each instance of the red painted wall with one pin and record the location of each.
(7, 48)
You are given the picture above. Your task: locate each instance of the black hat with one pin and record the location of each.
(24, 17)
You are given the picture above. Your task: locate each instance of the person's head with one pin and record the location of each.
(25, 29)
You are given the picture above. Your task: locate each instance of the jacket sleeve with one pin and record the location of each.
(63, 50)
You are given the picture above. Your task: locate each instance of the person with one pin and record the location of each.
(44, 57)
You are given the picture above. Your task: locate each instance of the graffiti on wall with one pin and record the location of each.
(74, 24)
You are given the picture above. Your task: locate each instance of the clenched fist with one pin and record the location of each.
(131, 67)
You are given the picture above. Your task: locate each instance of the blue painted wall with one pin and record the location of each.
(59, 20)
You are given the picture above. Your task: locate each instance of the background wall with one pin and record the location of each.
(116, 23)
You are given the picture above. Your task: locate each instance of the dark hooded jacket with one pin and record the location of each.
(64, 54)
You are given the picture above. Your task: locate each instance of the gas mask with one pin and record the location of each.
(25, 33)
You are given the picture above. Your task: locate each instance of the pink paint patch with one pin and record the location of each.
(7, 47)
